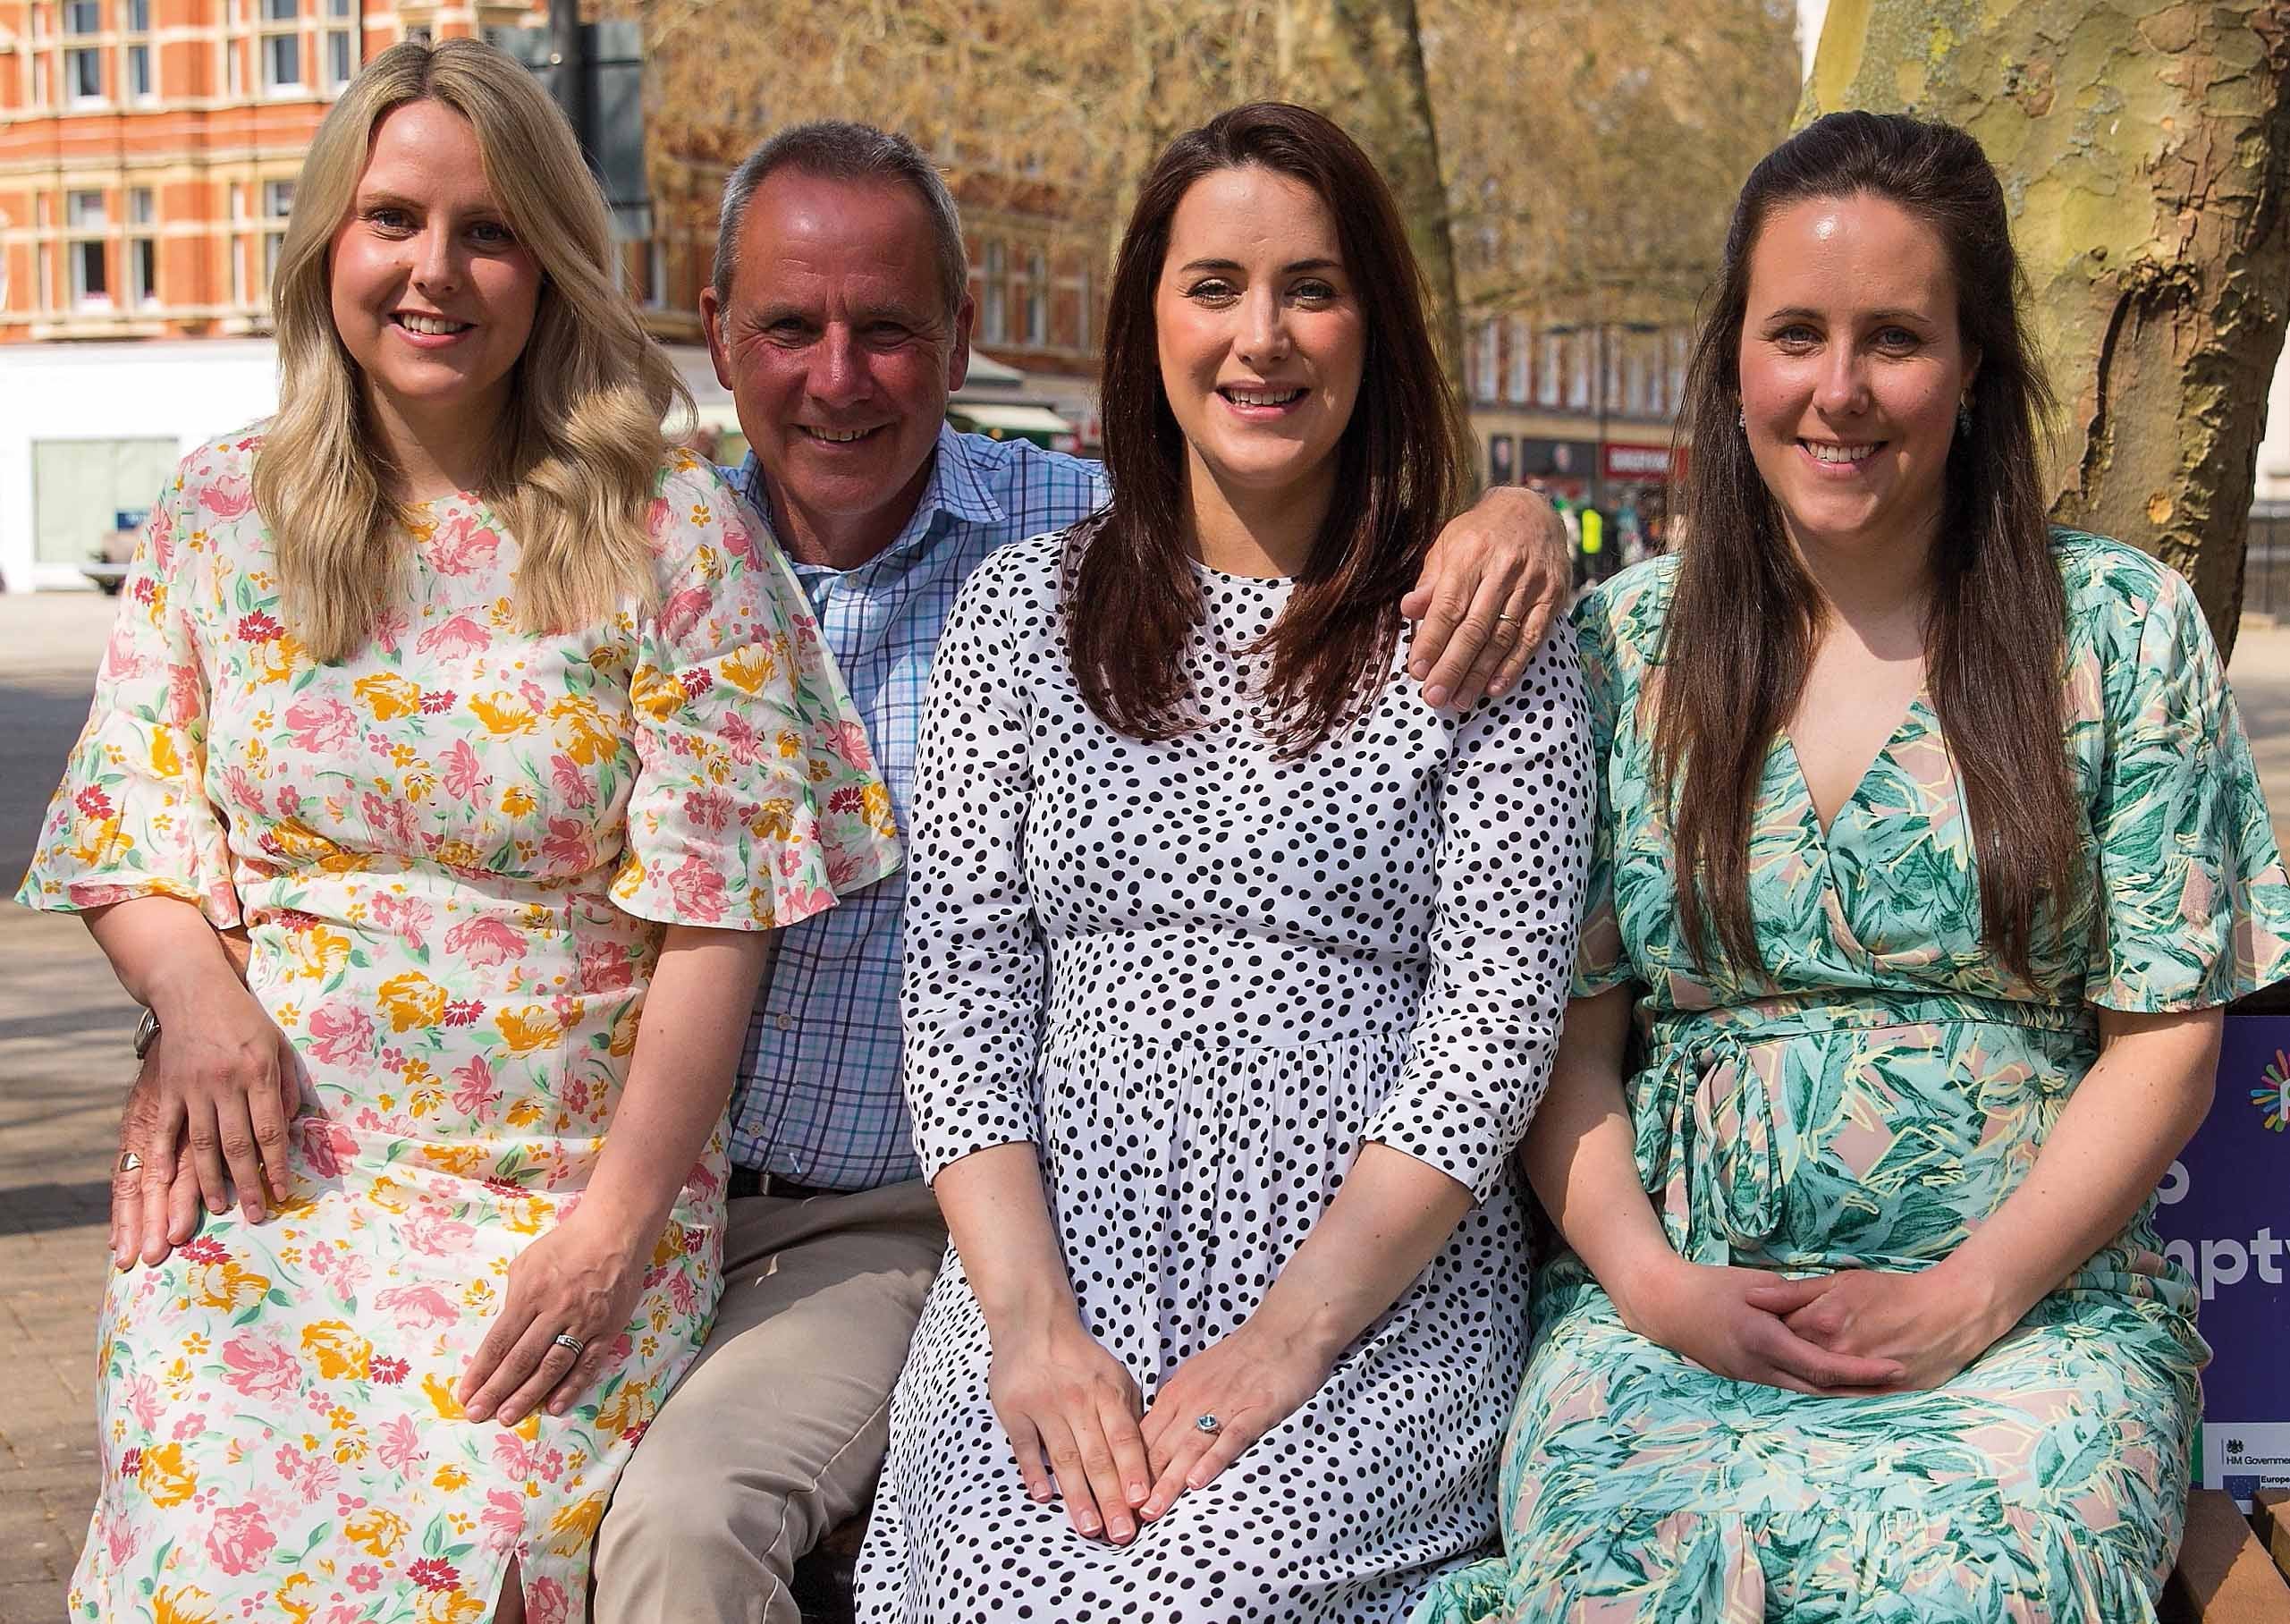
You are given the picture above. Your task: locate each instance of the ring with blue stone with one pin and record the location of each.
(1205, 1424)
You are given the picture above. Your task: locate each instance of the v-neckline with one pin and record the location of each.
(1823, 831)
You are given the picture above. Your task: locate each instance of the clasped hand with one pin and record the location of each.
(1852, 1332)
(1080, 1429)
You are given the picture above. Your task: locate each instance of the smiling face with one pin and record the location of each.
(432, 293)
(1852, 370)
(1260, 331)
(840, 352)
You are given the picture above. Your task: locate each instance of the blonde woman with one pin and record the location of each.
(451, 686)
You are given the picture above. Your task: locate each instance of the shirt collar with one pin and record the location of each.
(956, 488)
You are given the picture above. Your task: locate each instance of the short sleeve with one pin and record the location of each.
(1600, 961)
(1515, 829)
(756, 801)
(132, 818)
(2195, 905)
(976, 966)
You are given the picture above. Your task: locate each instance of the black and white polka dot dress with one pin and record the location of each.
(1197, 978)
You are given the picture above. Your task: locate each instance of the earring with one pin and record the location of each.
(1741, 419)
(1964, 418)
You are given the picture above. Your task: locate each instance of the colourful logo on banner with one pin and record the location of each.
(2273, 1100)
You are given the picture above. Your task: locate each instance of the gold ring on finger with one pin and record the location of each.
(130, 1163)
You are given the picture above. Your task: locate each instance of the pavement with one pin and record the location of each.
(64, 1065)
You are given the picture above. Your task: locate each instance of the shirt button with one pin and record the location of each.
(786, 1023)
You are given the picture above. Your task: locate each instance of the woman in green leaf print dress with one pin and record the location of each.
(1863, 1315)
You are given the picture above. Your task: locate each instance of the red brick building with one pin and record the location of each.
(148, 150)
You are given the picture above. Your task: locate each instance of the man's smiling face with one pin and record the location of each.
(839, 354)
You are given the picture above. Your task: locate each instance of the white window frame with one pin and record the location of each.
(1486, 360)
(142, 251)
(1037, 299)
(277, 209)
(276, 32)
(78, 61)
(343, 34)
(993, 315)
(1515, 375)
(1551, 370)
(1579, 382)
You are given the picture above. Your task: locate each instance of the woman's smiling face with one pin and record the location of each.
(1262, 340)
(433, 295)
(1852, 370)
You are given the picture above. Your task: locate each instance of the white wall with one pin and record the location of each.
(190, 392)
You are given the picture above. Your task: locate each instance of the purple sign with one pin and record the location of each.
(2225, 1219)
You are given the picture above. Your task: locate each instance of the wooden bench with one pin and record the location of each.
(2231, 1570)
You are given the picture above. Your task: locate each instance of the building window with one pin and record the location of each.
(342, 43)
(1515, 375)
(281, 45)
(83, 75)
(277, 204)
(83, 64)
(1484, 360)
(84, 221)
(135, 56)
(142, 248)
(1578, 378)
(238, 247)
(40, 257)
(994, 319)
(1552, 367)
(1037, 299)
(1082, 312)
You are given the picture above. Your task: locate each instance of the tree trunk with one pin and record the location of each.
(1363, 61)
(2144, 147)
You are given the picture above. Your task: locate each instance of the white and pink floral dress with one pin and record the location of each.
(450, 851)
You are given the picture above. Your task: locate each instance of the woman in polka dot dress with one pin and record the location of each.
(1213, 919)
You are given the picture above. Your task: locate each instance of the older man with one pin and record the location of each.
(840, 320)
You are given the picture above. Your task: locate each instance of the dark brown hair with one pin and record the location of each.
(1742, 626)
(1132, 598)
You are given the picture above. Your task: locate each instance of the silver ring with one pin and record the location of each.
(1207, 1424)
(130, 1163)
(565, 1339)
(1507, 619)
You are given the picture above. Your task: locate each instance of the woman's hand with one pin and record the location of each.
(1929, 1327)
(1249, 1382)
(226, 1081)
(580, 1279)
(1719, 1318)
(1061, 1396)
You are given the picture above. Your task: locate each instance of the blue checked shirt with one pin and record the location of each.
(820, 1100)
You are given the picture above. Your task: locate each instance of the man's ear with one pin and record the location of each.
(712, 315)
(957, 353)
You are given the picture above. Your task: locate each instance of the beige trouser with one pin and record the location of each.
(775, 1434)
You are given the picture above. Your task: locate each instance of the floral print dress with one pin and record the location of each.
(1867, 1102)
(450, 852)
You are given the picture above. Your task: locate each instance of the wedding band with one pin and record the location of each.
(1205, 1424)
(1507, 619)
(565, 1339)
(130, 1163)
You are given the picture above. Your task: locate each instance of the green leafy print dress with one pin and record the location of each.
(1867, 1102)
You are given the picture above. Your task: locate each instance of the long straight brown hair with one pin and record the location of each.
(1131, 596)
(1745, 617)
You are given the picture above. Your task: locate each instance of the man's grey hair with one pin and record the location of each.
(835, 149)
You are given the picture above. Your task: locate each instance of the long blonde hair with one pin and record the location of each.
(572, 467)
